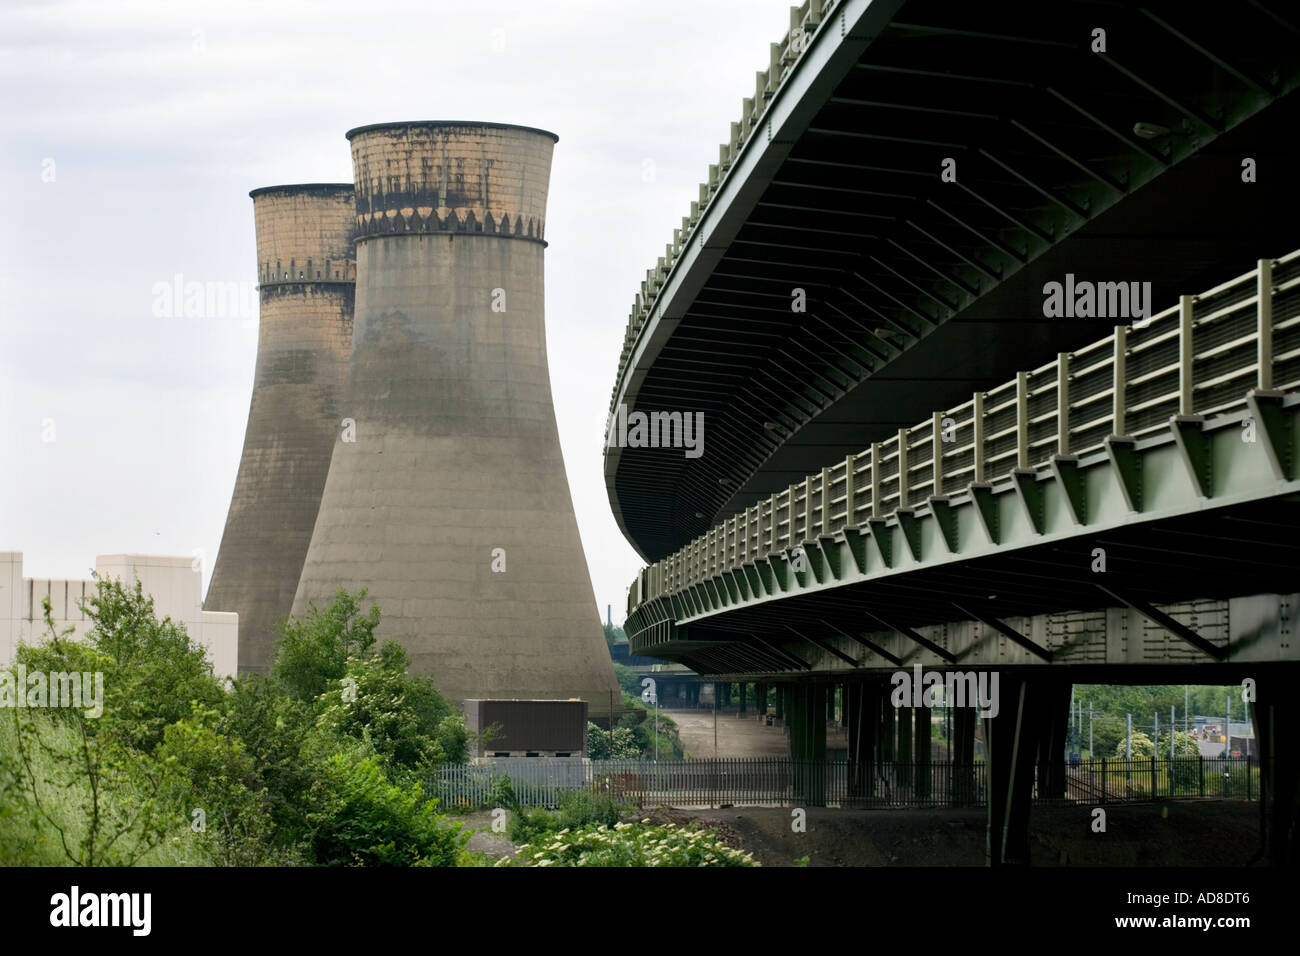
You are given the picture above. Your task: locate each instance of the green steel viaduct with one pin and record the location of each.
(992, 315)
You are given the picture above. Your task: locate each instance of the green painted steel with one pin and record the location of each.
(1172, 417)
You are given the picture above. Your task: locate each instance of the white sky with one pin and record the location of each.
(159, 116)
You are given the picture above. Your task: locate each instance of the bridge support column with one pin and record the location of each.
(760, 699)
(1276, 715)
(888, 750)
(1052, 739)
(781, 691)
(922, 751)
(962, 792)
(904, 722)
(808, 742)
(862, 718)
(744, 695)
(1012, 738)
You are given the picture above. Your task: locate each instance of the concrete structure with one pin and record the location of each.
(915, 459)
(174, 583)
(306, 270)
(451, 506)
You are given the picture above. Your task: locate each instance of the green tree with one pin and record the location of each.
(152, 671)
(403, 717)
(627, 679)
(90, 775)
(313, 652)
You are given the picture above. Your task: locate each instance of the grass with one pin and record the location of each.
(27, 838)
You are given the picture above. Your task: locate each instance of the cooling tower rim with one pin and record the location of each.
(463, 124)
(303, 189)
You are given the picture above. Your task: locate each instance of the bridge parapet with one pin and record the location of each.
(784, 58)
(1232, 350)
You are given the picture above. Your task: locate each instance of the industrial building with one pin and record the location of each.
(174, 583)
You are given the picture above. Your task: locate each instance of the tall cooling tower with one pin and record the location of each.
(451, 504)
(306, 269)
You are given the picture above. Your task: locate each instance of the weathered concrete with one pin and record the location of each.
(306, 276)
(452, 506)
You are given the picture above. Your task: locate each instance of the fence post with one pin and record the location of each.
(1201, 758)
(1155, 789)
(1103, 779)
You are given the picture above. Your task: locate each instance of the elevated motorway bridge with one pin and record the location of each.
(1120, 165)
(909, 459)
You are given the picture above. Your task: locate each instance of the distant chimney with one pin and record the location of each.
(609, 615)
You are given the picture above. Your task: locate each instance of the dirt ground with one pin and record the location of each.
(1178, 834)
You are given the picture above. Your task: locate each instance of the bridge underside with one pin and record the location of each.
(920, 291)
(1050, 566)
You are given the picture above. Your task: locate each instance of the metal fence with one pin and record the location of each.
(782, 782)
(1199, 357)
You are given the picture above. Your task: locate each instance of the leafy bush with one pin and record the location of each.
(359, 818)
(227, 808)
(316, 763)
(629, 844)
(152, 671)
(617, 744)
(578, 808)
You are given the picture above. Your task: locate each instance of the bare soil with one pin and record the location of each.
(1176, 834)
(1191, 833)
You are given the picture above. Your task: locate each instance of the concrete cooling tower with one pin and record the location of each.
(451, 504)
(306, 270)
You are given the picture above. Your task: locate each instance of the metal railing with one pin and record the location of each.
(783, 782)
(1200, 357)
(782, 59)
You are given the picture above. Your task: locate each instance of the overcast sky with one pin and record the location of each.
(131, 133)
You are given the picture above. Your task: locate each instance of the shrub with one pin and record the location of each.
(359, 818)
(629, 844)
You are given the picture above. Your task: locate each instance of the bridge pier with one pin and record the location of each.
(1052, 738)
(962, 742)
(1012, 743)
(862, 700)
(808, 742)
(887, 731)
(1276, 715)
(922, 751)
(904, 721)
